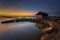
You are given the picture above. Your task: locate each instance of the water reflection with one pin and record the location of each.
(21, 31)
(40, 25)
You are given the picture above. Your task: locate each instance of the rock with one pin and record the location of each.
(55, 35)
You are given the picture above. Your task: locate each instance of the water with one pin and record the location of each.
(21, 31)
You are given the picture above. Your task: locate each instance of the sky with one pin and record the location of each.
(52, 7)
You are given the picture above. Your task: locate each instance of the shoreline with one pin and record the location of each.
(55, 35)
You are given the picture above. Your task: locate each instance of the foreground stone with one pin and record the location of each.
(54, 35)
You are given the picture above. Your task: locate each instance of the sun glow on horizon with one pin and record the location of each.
(8, 12)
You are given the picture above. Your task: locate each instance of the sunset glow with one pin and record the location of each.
(9, 12)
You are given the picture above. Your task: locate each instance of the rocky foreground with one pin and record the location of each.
(54, 35)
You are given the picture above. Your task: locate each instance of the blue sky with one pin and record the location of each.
(52, 7)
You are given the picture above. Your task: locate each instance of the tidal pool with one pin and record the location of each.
(21, 31)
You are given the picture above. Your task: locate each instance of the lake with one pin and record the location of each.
(20, 31)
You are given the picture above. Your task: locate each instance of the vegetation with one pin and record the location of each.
(40, 25)
(25, 19)
(20, 19)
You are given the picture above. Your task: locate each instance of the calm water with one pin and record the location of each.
(21, 31)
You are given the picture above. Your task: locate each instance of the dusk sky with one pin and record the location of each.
(52, 7)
